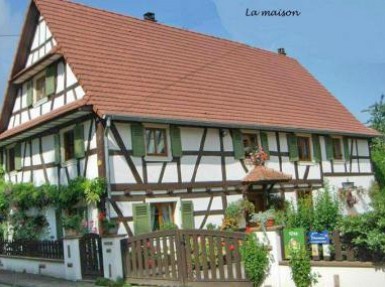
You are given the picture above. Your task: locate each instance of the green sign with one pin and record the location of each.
(293, 238)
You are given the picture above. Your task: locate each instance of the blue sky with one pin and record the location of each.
(342, 43)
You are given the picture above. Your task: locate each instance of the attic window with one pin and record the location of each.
(156, 142)
(39, 88)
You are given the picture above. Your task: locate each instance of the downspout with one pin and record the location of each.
(107, 163)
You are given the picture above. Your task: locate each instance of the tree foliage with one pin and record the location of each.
(377, 122)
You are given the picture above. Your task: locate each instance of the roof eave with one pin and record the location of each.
(190, 122)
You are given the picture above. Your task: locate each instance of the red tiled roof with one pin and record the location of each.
(263, 174)
(139, 68)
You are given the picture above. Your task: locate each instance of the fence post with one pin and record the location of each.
(72, 263)
(112, 256)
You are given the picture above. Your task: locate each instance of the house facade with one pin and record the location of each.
(167, 117)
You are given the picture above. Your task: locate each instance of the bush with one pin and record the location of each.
(366, 231)
(326, 212)
(111, 283)
(300, 266)
(256, 260)
(292, 217)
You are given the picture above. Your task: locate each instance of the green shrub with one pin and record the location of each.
(299, 262)
(168, 226)
(366, 231)
(256, 259)
(295, 217)
(111, 283)
(326, 211)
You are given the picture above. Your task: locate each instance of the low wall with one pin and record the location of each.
(333, 273)
(48, 267)
(335, 276)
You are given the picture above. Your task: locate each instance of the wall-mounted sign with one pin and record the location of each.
(319, 237)
(293, 239)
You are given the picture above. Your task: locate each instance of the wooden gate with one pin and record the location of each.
(184, 258)
(91, 256)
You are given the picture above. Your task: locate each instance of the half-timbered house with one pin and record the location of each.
(165, 115)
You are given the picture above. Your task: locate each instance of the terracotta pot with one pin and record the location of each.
(71, 232)
(270, 222)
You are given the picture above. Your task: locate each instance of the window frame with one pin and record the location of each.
(65, 161)
(341, 158)
(177, 213)
(42, 100)
(154, 129)
(308, 139)
(160, 158)
(8, 163)
(250, 134)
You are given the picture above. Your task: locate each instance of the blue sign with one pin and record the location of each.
(319, 237)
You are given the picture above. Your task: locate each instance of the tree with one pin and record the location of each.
(377, 122)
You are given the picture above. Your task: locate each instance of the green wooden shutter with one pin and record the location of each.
(18, 156)
(79, 141)
(176, 141)
(29, 93)
(346, 149)
(57, 148)
(137, 138)
(239, 152)
(188, 221)
(142, 218)
(50, 80)
(265, 143)
(316, 148)
(59, 224)
(293, 147)
(329, 148)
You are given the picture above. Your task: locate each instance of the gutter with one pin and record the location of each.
(107, 159)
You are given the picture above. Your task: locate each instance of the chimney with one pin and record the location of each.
(149, 16)
(281, 51)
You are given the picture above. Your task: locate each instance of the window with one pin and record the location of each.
(156, 142)
(337, 149)
(39, 88)
(69, 145)
(304, 151)
(162, 213)
(11, 160)
(250, 142)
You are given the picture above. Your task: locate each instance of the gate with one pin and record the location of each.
(91, 256)
(184, 258)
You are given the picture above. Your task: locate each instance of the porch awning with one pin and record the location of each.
(262, 174)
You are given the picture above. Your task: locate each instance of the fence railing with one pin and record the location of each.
(32, 248)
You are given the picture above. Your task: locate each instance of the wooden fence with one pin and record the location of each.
(191, 257)
(32, 248)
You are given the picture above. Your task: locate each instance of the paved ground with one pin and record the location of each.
(8, 278)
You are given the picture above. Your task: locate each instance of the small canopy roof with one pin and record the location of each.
(262, 174)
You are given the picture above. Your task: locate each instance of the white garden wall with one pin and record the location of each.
(41, 266)
(337, 274)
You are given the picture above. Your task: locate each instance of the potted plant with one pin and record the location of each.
(265, 218)
(236, 213)
(72, 224)
(107, 226)
(257, 157)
